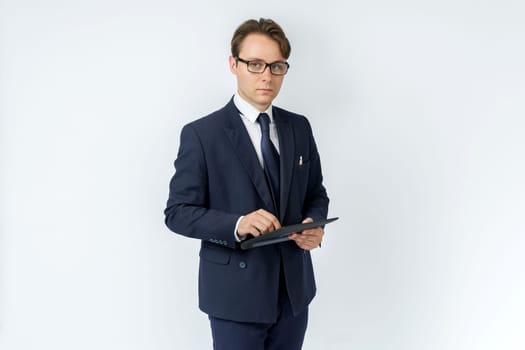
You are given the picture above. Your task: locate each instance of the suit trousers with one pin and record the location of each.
(287, 333)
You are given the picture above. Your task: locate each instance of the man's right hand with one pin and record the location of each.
(257, 223)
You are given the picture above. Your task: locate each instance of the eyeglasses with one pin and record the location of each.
(259, 66)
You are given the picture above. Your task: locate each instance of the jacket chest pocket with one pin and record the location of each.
(302, 170)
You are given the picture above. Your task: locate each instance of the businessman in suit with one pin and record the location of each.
(246, 170)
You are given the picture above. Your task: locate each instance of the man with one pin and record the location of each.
(242, 171)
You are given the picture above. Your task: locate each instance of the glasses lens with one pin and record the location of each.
(279, 68)
(256, 66)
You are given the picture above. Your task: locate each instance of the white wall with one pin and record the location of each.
(418, 112)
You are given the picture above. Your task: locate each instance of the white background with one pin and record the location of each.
(417, 108)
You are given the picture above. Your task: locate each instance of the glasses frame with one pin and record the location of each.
(266, 66)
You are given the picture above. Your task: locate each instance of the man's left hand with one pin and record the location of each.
(308, 239)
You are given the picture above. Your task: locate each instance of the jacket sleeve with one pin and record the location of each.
(187, 211)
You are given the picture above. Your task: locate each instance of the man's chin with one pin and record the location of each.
(266, 99)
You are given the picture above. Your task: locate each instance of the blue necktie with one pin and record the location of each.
(271, 159)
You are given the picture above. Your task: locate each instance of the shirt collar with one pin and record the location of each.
(248, 111)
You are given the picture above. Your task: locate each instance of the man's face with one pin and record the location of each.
(258, 89)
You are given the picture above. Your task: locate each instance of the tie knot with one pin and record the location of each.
(264, 121)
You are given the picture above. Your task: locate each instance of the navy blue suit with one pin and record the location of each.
(218, 178)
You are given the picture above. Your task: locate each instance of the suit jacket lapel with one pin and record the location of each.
(243, 148)
(286, 154)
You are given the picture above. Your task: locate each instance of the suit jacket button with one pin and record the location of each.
(242, 265)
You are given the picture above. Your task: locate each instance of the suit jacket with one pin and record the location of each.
(218, 178)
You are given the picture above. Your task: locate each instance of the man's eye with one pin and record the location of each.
(278, 67)
(256, 65)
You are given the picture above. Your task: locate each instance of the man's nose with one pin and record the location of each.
(267, 74)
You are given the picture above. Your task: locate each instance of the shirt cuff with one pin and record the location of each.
(235, 234)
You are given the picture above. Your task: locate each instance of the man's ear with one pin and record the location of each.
(233, 65)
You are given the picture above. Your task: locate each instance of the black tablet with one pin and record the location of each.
(281, 235)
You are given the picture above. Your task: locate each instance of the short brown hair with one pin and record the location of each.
(264, 26)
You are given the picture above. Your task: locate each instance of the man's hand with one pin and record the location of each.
(308, 239)
(257, 223)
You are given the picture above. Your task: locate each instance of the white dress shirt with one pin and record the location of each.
(249, 115)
